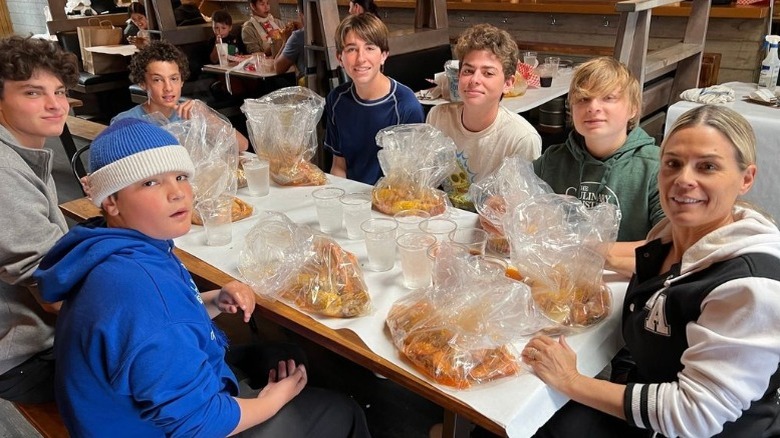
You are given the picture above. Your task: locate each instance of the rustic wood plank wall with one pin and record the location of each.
(738, 40)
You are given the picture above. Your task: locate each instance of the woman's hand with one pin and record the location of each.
(285, 382)
(234, 296)
(553, 361)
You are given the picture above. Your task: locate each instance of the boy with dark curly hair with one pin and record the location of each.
(160, 68)
(34, 76)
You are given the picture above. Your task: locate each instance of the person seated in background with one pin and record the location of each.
(363, 6)
(136, 22)
(222, 25)
(188, 13)
(608, 157)
(484, 131)
(262, 33)
(700, 315)
(34, 77)
(160, 69)
(292, 54)
(356, 110)
(137, 352)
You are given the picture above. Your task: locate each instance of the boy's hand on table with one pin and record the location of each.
(236, 296)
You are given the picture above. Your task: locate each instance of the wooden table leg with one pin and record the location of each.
(455, 426)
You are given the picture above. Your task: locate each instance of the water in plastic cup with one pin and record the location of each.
(530, 59)
(380, 243)
(475, 239)
(409, 220)
(222, 53)
(217, 221)
(329, 212)
(357, 209)
(413, 250)
(257, 177)
(441, 228)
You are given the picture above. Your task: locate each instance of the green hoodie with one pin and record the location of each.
(628, 179)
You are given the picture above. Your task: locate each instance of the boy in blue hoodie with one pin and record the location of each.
(607, 157)
(137, 353)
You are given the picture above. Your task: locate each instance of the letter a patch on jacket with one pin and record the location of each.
(656, 318)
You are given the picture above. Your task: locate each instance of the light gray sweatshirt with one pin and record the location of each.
(30, 224)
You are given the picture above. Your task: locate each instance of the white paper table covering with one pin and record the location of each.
(520, 404)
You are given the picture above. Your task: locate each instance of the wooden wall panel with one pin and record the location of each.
(736, 39)
(6, 27)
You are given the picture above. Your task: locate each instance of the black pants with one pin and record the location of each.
(30, 382)
(577, 420)
(314, 412)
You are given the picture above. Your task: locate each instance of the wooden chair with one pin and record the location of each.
(667, 72)
(45, 418)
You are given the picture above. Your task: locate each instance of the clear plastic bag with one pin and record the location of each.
(211, 142)
(511, 184)
(282, 126)
(460, 330)
(558, 244)
(415, 159)
(307, 270)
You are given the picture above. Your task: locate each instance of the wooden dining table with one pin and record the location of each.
(514, 406)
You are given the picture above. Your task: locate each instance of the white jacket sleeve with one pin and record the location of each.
(734, 349)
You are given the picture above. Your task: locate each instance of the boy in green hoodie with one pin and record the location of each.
(607, 157)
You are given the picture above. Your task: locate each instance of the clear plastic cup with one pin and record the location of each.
(222, 53)
(409, 220)
(531, 59)
(475, 239)
(329, 211)
(380, 243)
(554, 63)
(439, 227)
(357, 209)
(217, 221)
(413, 251)
(257, 177)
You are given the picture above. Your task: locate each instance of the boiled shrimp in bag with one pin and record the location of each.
(511, 184)
(559, 245)
(460, 331)
(282, 126)
(415, 159)
(307, 270)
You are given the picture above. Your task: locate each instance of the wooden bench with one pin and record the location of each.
(45, 418)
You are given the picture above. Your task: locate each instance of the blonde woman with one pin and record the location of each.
(700, 315)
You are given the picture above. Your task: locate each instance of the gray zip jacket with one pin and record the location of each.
(30, 224)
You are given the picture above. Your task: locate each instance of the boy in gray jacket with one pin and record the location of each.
(34, 75)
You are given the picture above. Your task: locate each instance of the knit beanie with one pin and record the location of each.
(129, 151)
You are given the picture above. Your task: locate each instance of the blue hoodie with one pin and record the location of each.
(137, 354)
